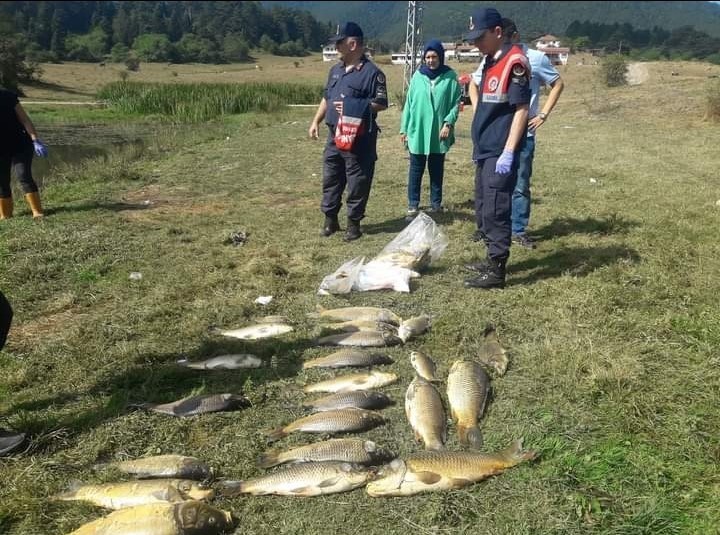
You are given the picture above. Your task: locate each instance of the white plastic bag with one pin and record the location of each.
(381, 276)
(343, 279)
(419, 244)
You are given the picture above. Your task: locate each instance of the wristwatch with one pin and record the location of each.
(542, 115)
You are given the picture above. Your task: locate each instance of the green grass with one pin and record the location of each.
(202, 101)
(612, 323)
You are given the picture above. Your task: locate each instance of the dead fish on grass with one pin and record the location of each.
(357, 313)
(468, 387)
(426, 414)
(413, 327)
(349, 450)
(348, 358)
(334, 421)
(444, 470)
(424, 366)
(353, 381)
(224, 362)
(194, 405)
(132, 493)
(492, 354)
(184, 518)
(256, 332)
(357, 325)
(359, 399)
(361, 339)
(162, 466)
(304, 479)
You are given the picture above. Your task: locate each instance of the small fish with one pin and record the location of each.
(468, 387)
(413, 327)
(349, 450)
(358, 325)
(224, 362)
(191, 406)
(361, 339)
(426, 414)
(444, 470)
(348, 358)
(162, 466)
(132, 493)
(183, 518)
(492, 354)
(304, 479)
(274, 319)
(353, 381)
(424, 366)
(357, 313)
(256, 332)
(334, 421)
(359, 399)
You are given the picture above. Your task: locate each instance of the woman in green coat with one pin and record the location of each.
(428, 121)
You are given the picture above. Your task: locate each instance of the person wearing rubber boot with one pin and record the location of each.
(18, 142)
(498, 131)
(9, 440)
(355, 92)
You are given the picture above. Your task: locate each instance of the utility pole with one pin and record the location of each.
(413, 39)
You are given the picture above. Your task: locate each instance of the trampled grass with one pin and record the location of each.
(612, 323)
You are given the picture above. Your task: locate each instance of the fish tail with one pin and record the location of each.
(489, 331)
(70, 493)
(275, 434)
(463, 434)
(475, 437)
(268, 459)
(319, 309)
(515, 454)
(231, 488)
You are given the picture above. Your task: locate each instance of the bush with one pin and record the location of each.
(119, 53)
(132, 63)
(13, 65)
(153, 47)
(712, 109)
(613, 70)
(235, 48)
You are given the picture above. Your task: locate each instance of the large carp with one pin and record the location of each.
(468, 387)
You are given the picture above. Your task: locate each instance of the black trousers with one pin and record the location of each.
(493, 206)
(6, 315)
(21, 164)
(352, 169)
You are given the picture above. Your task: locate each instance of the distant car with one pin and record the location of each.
(464, 80)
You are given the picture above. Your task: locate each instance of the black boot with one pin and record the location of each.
(480, 267)
(331, 225)
(353, 230)
(493, 278)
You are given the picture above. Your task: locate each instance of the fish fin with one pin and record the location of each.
(328, 482)
(516, 454)
(268, 459)
(70, 492)
(475, 437)
(462, 434)
(302, 491)
(231, 488)
(429, 478)
(489, 330)
(275, 434)
(458, 483)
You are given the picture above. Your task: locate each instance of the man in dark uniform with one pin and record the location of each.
(9, 440)
(356, 91)
(498, 131)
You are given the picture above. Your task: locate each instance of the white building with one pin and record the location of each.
(547, 40)
(550, 45)
(330, 53)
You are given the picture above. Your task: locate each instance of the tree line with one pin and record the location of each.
(683, 43)
(172, 31)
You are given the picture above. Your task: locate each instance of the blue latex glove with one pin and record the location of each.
(41, 149)
(504, 162)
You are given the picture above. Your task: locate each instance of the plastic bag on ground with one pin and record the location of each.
(419, 245)
(380, 276)
(343, 279)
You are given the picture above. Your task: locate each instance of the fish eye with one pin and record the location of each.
(211, 520)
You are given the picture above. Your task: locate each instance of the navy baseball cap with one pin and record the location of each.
(481, 20)
(348, 29)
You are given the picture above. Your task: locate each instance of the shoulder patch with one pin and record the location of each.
(519, 70)
(381, 78)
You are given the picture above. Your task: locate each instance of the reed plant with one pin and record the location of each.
(203, 101)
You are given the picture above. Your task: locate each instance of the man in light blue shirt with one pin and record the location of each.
(542, 73)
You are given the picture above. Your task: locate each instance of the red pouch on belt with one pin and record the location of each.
(350, 124)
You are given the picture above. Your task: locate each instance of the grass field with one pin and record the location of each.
(612, 323)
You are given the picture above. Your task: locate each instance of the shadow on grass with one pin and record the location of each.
(394, 226)
(157, 378)
(565, 226)
(573, 261)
